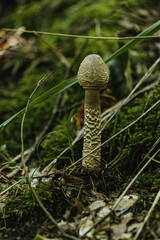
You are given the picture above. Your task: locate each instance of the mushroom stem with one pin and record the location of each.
(93, 76)
(92, 129)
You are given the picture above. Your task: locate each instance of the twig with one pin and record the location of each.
(148, 215)
(82, 36)
(31, 150)
(22, 154)
(7, 189)
(24, 115)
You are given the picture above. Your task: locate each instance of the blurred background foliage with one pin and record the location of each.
(26, 58)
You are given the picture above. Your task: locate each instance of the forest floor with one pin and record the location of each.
(122, 215)
(45, 192)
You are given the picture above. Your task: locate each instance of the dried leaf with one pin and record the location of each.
(103, 212)
(85, 226)
(96, 205)
(126, 202)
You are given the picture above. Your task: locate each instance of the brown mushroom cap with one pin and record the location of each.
(93, 72)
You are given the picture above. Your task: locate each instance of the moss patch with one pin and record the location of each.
(24, 203)
(131, 146)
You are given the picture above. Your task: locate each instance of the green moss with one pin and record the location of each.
(56, 141)
(24, 203)
(34, 121)
(150, 179)
(131, 146)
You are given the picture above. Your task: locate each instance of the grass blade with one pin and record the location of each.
(54, 91)
(68, 83)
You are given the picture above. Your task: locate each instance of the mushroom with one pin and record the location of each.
(92, 76)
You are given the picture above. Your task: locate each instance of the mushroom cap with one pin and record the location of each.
(93, 72)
